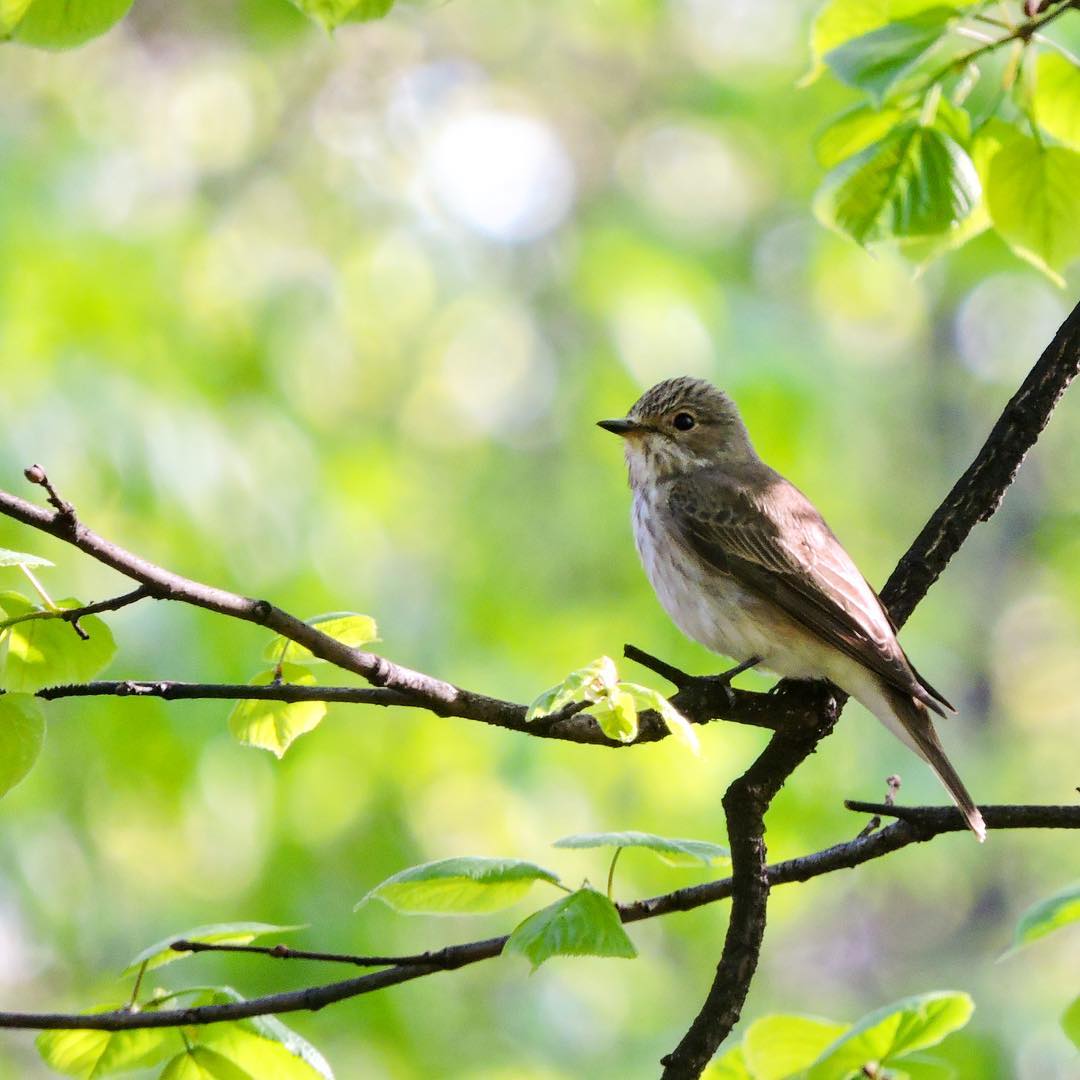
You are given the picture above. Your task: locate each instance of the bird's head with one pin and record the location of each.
(678, 426)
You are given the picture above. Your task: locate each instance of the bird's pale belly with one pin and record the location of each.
(713, 609)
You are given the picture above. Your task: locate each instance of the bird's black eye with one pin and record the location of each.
(683, 421)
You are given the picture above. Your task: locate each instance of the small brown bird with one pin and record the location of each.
(744, 564)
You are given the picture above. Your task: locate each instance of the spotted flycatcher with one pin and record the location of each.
(744, 564)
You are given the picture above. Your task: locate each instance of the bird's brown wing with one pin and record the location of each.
(766, 534)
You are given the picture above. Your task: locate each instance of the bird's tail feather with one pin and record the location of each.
(921, 736)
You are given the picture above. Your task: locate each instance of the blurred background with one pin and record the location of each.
(330, 320)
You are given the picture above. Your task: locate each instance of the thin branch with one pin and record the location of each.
(974, 498)
(933, 822)
(286, 952)
(73, 615)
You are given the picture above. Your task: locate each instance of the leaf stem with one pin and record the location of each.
(611, 873)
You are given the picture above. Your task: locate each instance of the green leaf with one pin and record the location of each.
(201, 1063)
(1070, 1022)
(91, 1054)
(235, 933)
(11, 11)
(915, 182)
(853, 131)
(924, 1067)
(332, 13)
(1033, 194)
(884, 60)
(732, 1066)
(1057, 98)
(62, 24)
(347, 627)
(1047, 916)
(7, 556)
(22, 732)
(888, 1034)
(590, 683)
(617, 715)
(465, 886)
(777, 1047)
(839, 21)
(274, 725)
(46, 651)
(585, 923)
(672, 851)
(646, 698)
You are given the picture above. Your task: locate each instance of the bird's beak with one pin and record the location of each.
(620, 427)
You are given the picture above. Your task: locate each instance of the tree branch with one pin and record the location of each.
(933, 821)
(974, 498)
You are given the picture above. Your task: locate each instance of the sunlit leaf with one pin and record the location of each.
(881, 61)
(1033, 194)
(1047, 915)
(274, 725)
(617, 715)
(585, 923)
(777, 1047)
(888, 1034)
(332, 13)
(47, 651)
(672, 851)
(915, 182)
(1070, 1022)
(853, 131)
(22, 732)
(201, 1063)
(730, 1066)
(1057, 98)
(840, 21)
(348, 627)
(62, 24)
(924, 1067)
(92, 1054)
(236, 933)
(646, 698)
(589, 683)
(11, 11)
(466, 886)
(8, 557)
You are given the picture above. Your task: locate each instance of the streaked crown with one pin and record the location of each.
(709, 403)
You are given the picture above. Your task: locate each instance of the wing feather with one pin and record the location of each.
(769, 536)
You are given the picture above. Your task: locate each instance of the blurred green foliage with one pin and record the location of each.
(329, 320)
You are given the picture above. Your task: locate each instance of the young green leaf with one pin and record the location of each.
(778, 1047)
(8, 557)
(332, 13)
(62, 24)
(915, 182)
(888, 1034)
(885, 61)
(617, 716)
(1070, 1022)
(236, 933)
(585, 923)
(590, 683)
(274, 725)
(347, 627)
(732, 1066)
(672, 851)
(1057, 98)
(1046, 916)
(197, 1062)
(92, 1054)
(460, 886)
(11, 11)
(22, 732)
(853, 131)
(646, 698)
(45, 651)
(1033, 194)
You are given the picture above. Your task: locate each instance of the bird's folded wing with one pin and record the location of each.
(770, 538)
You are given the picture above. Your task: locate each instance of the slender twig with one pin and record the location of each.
(286, 952)
(73, 615)
(675, 676)
(901, 834)
(893, 785)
